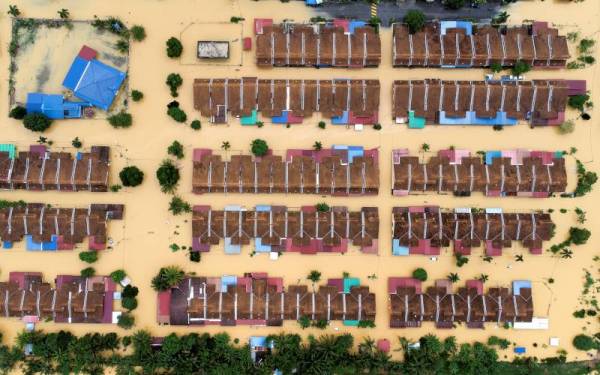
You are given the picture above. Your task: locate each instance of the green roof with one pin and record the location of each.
(11, 149)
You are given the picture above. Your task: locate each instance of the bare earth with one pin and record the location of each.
(141, 244)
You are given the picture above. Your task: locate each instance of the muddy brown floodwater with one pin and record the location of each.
(142, 239)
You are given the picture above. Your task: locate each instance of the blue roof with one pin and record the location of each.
(518, 284)
(256, 341)
(94, 82)
(53, 106)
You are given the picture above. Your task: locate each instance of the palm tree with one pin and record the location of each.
(425, 147)
(483, 278)
(453, 277)
(225, 145)
(64, 13)
(488, 259)
(314, 276)
(519, 258)
(168, 277)
(367, 346)
(566, 254)
(318, 146)
(14, 11)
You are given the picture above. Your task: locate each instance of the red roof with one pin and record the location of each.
(247, 44)
(259, 23)
(87, 53)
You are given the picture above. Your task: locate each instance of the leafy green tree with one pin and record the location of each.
(420, 274)
(304, 322)
(177, 114)
(415, 20)
(167, 278)
(578, 101)
(136, 95)
(129, 303)
(88, 272)
(520, 68)
(176, 149)
(36, 122)
(259, 147)
(196, 125)
(18, 112)
(322, 124)
(174, 48)
(120, 120)
(461, 260)
(89, 256)
(138, 33)
(579, 236)
(178, 206)
(168, 176)
(496, 67)
(126, 321)
(131, 176)
(118, 275)
(130, 291)
(584, 342)
(174, 81)
(454, 4)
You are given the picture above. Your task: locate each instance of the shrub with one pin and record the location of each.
(320, 324)
(420, 274)
(76, 142)
(585, 45)
(585, 180)
(174, 81)
(177, 206)
(167, 278)
(259, 147)
(579, 236)
(377, 126)
(87, 272)
(415, 20)
(125, 321)
(120, 120)
(176, 149)
(122, 45)
(520, 68)
(131, 176)
(130, 292)
(567, 127)
(136, 95)
(88, 256)
(118, 275)
(236, 19)
(115, 188)
(196, 125)
(322, 124)
(366, 324)
(129, 303)
(584, 342)
(461, 260)
(18, 113)
(580, 314)
(322, 207)
(497, 341)
(304, 322)
(168, 176)
(195, 256)
(174, 48)
(578, 101)
(177, 114)
(496, 67)
(138, 33)
(36, 122)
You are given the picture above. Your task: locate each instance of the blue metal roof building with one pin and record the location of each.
(54, 106)
(93, 81)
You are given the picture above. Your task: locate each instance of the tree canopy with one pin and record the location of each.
(415, 20)
(131, 176)
(36, 122)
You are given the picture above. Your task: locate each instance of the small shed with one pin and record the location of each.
(210, 49)
(54, 106)
(247, 44)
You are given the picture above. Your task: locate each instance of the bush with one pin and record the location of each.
(138, 33)
(366, 324)
(195, 256)
(174, 81)
(580, 314)
(496, 67)
(129, 303)
(196, 125)
(174, 48)
(120, 120)
(236, 19)
(168, 176)
(177, 206)
(322, 124)
(130, 292)
(567, 127)
(18, 113)
(87, 272)
(259, 147)
(115, 188)
(320, 324)
(584, 342)
(461, 260)
(579, 236)
(322, 207)
(76, 142)
(131, 176)
(304, 322)
(415, 20)
(497, 341)
(420, 274)
(125, 321)
(118, 276)
(136, 95)
(578, 101)
(177, 114)
(88, 256)
(377, 126)
(520, 68)
(36, 122)
(176, 149)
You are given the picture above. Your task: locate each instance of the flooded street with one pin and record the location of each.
(142, 239)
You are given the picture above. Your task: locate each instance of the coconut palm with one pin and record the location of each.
(367, 346)
(453, 277)
(483, 278)
(314, 276)
(225, 145)
(64, 13)
(14, 11)
(318, 146)
(488, 259)
(566, 254)
(425, 147)
(168, 277)
(519, 258)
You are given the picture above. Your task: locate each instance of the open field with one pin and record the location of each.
(149, 228)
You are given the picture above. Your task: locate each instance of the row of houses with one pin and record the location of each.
(341, 170)
(41, 169)
(448, 44)
(411, 305)
(414, 102)
(275, 229)
(45, 228)
(341, 43)
(462, 44)
(427, 229)
(287, 101)
(519, 172)
(260, 300)
(490, 102)
(72, 299)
